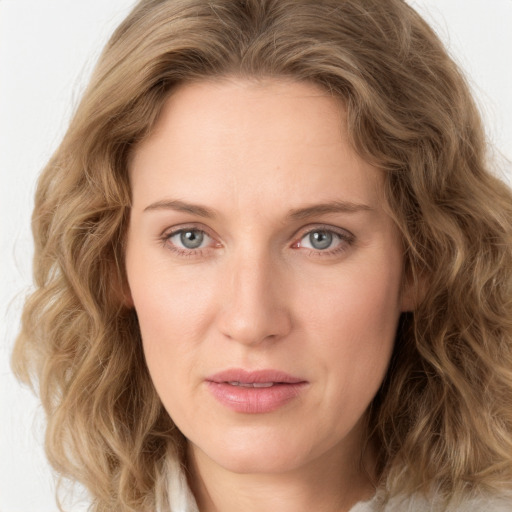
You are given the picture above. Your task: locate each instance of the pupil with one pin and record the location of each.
(191, 239)
(320, 239)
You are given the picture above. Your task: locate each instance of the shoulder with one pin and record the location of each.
(487, 503)
(418, 503)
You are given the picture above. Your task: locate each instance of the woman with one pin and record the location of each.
(273, 269)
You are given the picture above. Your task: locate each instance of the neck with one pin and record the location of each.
(332, 484)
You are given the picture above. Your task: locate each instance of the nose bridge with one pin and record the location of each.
(254, 308)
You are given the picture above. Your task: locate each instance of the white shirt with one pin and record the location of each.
(182, 500)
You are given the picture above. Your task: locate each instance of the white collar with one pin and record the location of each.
(181, 499)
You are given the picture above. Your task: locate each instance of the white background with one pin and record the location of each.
(47, 50)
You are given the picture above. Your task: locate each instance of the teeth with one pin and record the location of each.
(252, 385)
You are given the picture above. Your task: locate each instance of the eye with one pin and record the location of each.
(322, 240)
(188, 240)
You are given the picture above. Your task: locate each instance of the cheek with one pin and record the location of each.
(366, 297)
(353, 318)
(171, 303)
(174, 313)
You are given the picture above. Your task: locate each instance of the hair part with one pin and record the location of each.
(442, 419)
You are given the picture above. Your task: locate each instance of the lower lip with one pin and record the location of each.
(250, 400)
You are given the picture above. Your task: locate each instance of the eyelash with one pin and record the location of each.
(346, 239)
(166, 237)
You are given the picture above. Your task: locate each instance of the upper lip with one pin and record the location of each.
(252, 377)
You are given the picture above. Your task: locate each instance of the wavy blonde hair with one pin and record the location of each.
(443, 417)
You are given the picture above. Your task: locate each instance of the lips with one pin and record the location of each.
(255, 392)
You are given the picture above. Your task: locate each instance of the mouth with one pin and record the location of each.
(255, 392)
(258, 378)
(254, 384)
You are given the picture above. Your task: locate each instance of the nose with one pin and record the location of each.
(254, 305)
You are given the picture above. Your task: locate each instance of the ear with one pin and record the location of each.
(414, 288)
(127, 298)
(119, 285)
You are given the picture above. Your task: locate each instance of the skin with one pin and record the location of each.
(258, 294)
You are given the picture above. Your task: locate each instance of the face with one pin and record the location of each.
(265, 273)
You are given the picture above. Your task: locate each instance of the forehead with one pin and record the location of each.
(239, 141)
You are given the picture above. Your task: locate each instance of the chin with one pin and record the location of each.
(256, 453)
(258, 463)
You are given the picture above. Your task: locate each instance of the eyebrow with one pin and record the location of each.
(295, 214)
(181, 206)
(330, 207)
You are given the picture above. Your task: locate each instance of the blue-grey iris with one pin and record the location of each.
(320, 239)
(191, 239)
